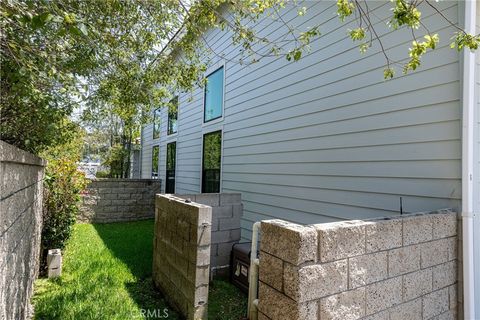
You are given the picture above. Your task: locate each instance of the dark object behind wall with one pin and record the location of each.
(240, 265)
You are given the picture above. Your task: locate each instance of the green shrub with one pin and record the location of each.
(62, 187)
(102, 174)
(116, 160)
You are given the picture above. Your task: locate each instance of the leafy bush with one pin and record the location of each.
(102, 174)
(116, 160)
(62, 187)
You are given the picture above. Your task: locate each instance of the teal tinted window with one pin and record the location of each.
(214, 96)
(156, 123)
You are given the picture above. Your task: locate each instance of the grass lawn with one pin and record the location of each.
(107, 275)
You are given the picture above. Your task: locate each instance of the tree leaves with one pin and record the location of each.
(405, 13)
(418, 49)
(40, 20)
(112, 57)
(463, 40)
(345, 8)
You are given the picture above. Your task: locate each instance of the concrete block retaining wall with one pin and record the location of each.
(397, 268)
(227, 211)
(21, 194)
(116, 200)
(181, 254)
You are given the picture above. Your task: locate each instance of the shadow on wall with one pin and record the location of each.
(132, 243)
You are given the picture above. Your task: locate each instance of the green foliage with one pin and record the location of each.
(111, 57)
(212, 146)
(155, 161)
(226, 302)
(357, 34)
(294, 54)
(96, 144)
(405, 13)
(388, 73)
(62, 186)
(116, 160)
(107, 275)
(39, 57)
(58, 54)
(418, 49)
(345, 8)
(102, 174)
(462, 40)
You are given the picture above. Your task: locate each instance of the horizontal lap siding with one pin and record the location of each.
(477, 121)
(476, 188)
(326, 138)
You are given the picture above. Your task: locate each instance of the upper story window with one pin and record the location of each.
(172, 116)
(156, 123)
(213, 101)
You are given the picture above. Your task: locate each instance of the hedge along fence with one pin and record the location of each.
(21, 185)
(116, 200)
(395, 268)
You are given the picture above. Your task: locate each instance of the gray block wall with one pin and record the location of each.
(227, 210)
(403, 267)
(21, 195)
(181, 254)
(117, 200)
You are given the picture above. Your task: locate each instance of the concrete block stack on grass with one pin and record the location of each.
(181, 254)
(402, 267)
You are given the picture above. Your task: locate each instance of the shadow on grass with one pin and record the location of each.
(132, 243)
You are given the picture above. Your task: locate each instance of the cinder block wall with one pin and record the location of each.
(21, 195)
(116, 200)
(227, 211)
(181, 254)
(386, 269)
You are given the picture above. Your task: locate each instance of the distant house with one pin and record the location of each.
(326, 138)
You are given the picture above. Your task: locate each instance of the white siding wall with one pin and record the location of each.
(477, 121)
(326, 138)
(476, 190)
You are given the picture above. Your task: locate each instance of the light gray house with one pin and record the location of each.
(326, 138)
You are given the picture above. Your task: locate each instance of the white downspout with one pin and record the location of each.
(253, 275)
(467, 165)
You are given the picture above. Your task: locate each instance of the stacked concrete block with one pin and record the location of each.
(21, 186)
(227, 211)
(394, 268)
(116, 200)
(181, 254)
